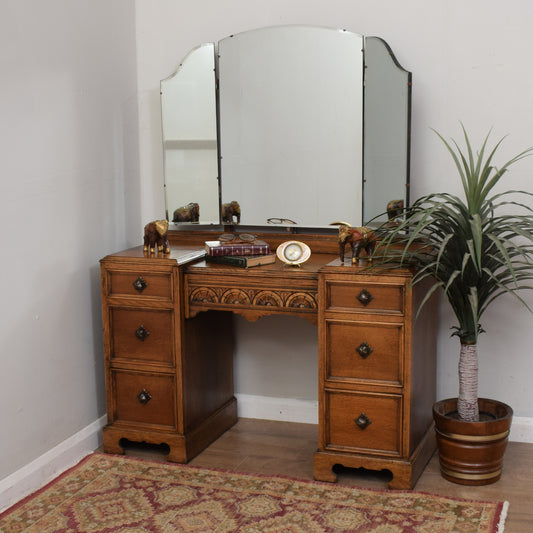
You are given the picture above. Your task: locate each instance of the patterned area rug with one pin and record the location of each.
(108, 493)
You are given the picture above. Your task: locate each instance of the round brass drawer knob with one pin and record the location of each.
(363, 421)
(141, 333)
(365, 297)
(144, 397)
(140, 284)
(364, 350)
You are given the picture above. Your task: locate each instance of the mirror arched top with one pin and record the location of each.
(295, 123)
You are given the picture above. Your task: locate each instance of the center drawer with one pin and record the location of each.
(369, 351)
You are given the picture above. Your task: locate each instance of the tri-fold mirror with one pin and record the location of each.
(291, 125)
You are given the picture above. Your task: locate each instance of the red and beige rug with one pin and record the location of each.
(108, 493)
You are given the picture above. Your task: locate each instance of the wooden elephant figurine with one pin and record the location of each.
(187, 213)
(230, 211)
(394, 209)
(359, 238)
(155, 234)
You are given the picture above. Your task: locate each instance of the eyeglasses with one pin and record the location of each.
(244, 237)
(274, 220)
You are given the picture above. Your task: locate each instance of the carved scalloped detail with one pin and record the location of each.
(203, 295)
(235, 297)
(301, 300)
(260, 298)
(267, 299)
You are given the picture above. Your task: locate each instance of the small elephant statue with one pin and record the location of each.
(394, 209)
(359, 238)
(155, 234)
(187, 213)
(230, 211)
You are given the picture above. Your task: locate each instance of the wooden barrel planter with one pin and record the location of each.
(471, 453)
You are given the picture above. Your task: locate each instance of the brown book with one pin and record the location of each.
(243, 261)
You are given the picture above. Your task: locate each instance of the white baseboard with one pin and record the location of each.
(521, 429)
(285, 409)
(36, 474)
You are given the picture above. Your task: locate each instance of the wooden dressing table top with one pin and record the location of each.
(253, 292)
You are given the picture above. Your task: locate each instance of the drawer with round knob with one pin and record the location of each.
(370, 351)
(367, 297)
(363, 422)
(139, 284)
(142, 334)
(144, 398)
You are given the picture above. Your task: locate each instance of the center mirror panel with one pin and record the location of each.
(291, 124)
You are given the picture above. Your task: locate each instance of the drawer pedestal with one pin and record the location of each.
(376, 374)
(169, 380)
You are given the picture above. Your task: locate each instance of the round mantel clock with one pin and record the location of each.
(293, 252)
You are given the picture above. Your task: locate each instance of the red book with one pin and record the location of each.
(217, 248)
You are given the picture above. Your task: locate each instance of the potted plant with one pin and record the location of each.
(475, 252)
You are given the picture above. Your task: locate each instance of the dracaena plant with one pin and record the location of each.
(475, 248)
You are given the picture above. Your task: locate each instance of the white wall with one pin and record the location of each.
(68, 132)
(470, 62)
(75, 186)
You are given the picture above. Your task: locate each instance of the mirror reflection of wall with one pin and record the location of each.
(188, 106)
(291, 124)
(386, 129)
(313, 127)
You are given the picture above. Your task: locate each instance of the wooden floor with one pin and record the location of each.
(269, 447)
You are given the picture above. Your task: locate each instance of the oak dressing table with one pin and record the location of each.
(169, 352)
(312, 125)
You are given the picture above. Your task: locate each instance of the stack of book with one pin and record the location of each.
(243, 254)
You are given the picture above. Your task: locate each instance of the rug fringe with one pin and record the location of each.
(503, 517)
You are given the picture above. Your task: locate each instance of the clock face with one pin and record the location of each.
(293, 252)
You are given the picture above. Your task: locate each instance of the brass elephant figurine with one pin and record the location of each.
(230, 211)
(359, 238)
(155, 234)
(187, 213)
